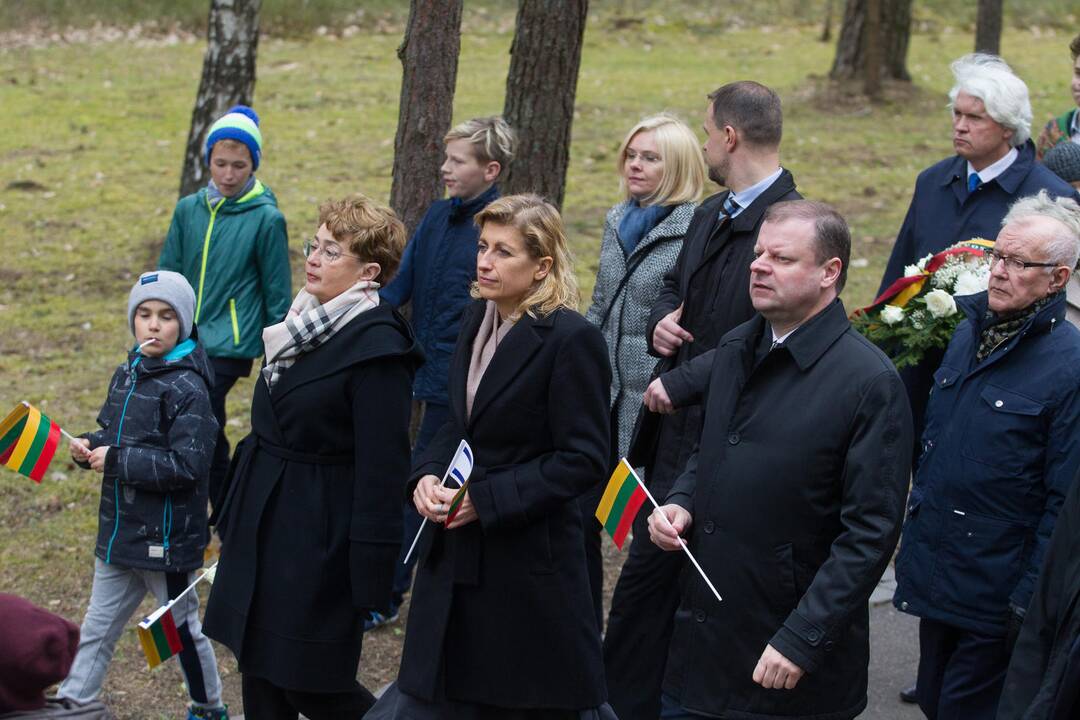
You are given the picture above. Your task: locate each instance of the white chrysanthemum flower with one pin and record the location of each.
(910, 270)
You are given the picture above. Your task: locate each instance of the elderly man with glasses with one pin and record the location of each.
(1000, 449)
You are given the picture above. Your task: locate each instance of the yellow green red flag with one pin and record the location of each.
(28, 441)
(621, 501)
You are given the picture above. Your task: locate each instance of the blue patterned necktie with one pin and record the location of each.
(974, 181)
(730, 207)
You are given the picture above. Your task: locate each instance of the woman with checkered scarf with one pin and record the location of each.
(311, 521)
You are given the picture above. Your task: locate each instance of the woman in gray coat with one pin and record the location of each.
(662, 172)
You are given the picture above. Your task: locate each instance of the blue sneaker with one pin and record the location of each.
(376, 619)
(203, 713)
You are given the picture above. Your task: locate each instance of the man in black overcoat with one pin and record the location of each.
(793, 499)
(1043, 682)
(703, 297)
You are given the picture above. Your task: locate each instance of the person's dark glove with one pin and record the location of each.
(1013, 621)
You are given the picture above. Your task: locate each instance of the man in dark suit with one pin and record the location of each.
(705, 295)
(792, 500)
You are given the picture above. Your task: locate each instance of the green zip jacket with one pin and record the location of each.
(235, 254)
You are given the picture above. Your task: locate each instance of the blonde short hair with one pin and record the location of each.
(370, 231)
(492, 139)
(541, 227)
(683, 177)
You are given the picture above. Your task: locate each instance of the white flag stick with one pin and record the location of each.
(681, 541)
(424, 524)
(189, 588)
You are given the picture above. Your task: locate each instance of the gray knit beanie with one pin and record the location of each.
(1064, 161)
(168, 287)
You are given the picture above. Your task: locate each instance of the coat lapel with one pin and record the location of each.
(512, 355)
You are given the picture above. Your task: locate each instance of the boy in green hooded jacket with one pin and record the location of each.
(230, 241)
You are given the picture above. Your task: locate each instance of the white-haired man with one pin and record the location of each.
(1000, 450)
(967, 195)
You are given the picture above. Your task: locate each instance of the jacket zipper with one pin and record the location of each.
(235, 324)
(206, 252)
(166, 526)
(116, 481)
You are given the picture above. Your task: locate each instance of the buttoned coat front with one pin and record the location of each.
(501, 611)
(797, 494)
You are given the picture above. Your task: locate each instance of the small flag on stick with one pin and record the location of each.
(622, 499)
(619, 506)
(158, 636)
(157, 633)
(28, 441)
(455, 503)
(456, 475)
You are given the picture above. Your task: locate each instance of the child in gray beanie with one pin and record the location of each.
(153, 451)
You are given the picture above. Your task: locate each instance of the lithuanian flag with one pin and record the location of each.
(28, 441)
(621, 501)
(455, 503)
(158, 636)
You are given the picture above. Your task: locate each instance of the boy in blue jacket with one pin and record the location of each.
(437, 270)
(153, 450)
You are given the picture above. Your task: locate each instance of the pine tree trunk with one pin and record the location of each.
(540, 90)
(851, 43)
(429, 60)
(988, 27)
(228, 78)
(873, 55)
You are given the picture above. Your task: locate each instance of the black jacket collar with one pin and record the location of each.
(809, 342)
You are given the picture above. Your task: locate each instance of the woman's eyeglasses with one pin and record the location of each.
(330, 253)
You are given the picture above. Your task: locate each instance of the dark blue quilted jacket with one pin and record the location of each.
(161, 432)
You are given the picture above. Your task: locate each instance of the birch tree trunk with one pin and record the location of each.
(228, 78)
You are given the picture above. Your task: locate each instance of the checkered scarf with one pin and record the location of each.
(309, 324)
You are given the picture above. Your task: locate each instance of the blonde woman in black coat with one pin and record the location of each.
(502, 624)
(311, 526)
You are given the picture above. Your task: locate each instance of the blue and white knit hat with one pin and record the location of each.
(240, 123)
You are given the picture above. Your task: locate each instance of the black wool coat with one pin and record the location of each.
(711, 279)
(797, 494)
(311, 527)
(501, 611)
(1043, 682)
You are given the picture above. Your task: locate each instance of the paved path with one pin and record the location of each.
(894, 656)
